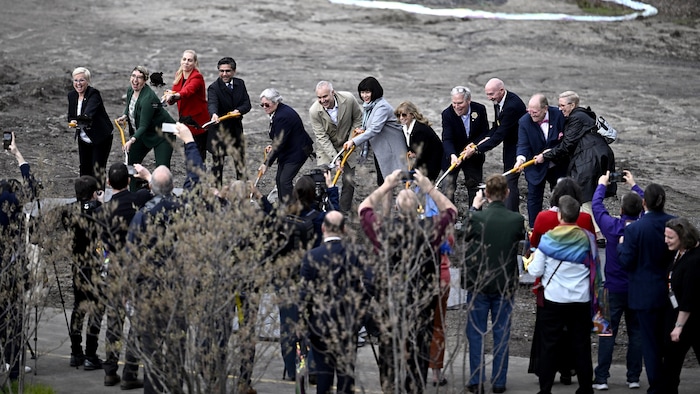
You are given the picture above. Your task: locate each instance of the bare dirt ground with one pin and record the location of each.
(641, 75)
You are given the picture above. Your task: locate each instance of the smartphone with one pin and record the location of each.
(169, 128)
(6, 140)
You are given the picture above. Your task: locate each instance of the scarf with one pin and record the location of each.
(366, 112)
(574, 244)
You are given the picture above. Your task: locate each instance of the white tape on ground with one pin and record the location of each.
(642, 11)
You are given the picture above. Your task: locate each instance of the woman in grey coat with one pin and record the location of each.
(381, 129)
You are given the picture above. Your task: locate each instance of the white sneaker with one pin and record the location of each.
(633, 385)
(600, 386)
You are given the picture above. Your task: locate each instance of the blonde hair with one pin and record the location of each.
(82, 70)
(571, 97)
(410, 108)
(179, 73)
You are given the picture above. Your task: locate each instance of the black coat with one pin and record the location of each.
(590, 155)
(428, 148)
(93, 118)
(222, 100)
(290, 141)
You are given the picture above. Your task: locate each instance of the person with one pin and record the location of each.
(562, 260)
(335, 115)
(616, 282)
(406, 248)
(93, 128)
(160, 327)
(145, 115)
(682, 333)
(115, 216)
(509, 108)
(588, 153)
(437, 344)
(491, 279)
(540, 129)
(335, 290)
(291, 145)
(642, 253)
(464, 123)
(303, 204)
(380, 129)
(189, 92)
(424, 145)
(12, 271)
(86, 300)
(545, 221)
(227, 94)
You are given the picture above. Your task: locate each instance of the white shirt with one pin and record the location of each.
(569, 284)
(333, 113)
(407, 130)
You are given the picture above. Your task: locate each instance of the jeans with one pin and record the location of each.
(477, 319)
(618, 304)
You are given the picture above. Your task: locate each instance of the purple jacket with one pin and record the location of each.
(616, 278)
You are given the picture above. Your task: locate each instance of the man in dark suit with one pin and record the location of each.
(464, 123)
(491, 278)
(509, 108)
(644, 255)
(227, 95)
(540, 129)
(335, 290)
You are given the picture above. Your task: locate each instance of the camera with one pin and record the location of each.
(407, 176)
(481, 186)
(130, 170)
(6, 140)
(318, 175)
(616, 177)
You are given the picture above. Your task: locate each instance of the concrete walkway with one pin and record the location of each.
(54, 354)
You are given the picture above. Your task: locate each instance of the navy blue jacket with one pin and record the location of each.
(505, 129)
(290, 141)
(454, 136)
(531, 142)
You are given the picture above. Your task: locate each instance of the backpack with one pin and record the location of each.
(606, 130)
(298, 232)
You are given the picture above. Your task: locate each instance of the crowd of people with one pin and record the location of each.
(391, 279)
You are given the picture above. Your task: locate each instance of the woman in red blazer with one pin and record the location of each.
(190, 93)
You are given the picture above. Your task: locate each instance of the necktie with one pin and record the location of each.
(230, 86)
(542, 121)
(497, 110)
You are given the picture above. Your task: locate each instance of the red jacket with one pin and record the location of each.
(193, 100)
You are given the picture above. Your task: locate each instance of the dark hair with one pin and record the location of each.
(118, 176)
(569, 209)
(687, 233)
(305, 192)
(227, 60)
(631, 204)
(370, 84)
(85, 186)
(496, 187)
(655, 197)
(565, 187)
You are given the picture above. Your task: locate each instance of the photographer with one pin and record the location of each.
(12, 272)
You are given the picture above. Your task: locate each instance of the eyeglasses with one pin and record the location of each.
(403, 115)
(137, 76)
(79, 81)
(225, 71)
(265, 105)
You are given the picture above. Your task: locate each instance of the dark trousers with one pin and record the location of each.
(348, 190)
(289, 317)
(555, 317)
(651, 326)
(162, 333)
(11, 335)
(674, 355)
(86, 303)
(218, 161)
(328, 364)
(473, 175)
(113, 339)
(93, 159)
(512, 202)
(285, 177)
(535, 195)
(201, 141)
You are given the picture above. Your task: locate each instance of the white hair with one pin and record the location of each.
(272, 94)
(82, 70)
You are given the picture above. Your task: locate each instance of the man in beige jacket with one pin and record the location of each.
(334, 115)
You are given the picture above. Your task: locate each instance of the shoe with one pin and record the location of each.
(633, 385)
(442, 382)
(565, 380)
(497, 389)
(92, 363)
(131, 384)
(600, 386)
(476, 388)
(76, 360)
(112, 380)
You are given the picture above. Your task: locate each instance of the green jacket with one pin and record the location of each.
(149, 117)
(491, 264)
